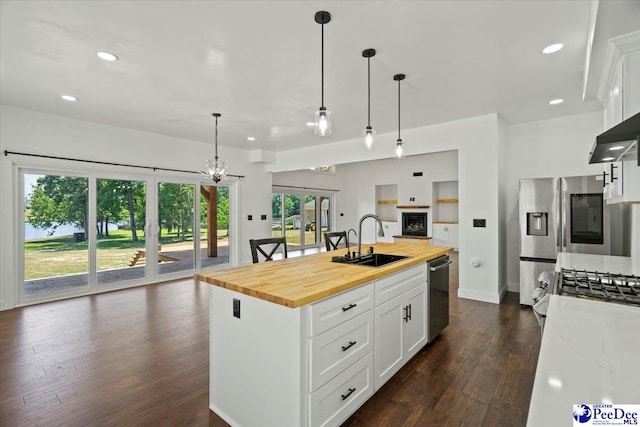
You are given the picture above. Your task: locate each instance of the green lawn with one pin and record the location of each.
(56, 256)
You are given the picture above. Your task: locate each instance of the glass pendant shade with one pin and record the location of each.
(216, 169)
(369, 136)
(399, 149)
(322, 122)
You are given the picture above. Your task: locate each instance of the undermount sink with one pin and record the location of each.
(371, 260)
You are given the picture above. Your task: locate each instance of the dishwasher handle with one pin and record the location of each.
(440, 267)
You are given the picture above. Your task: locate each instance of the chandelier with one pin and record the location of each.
(216, 168)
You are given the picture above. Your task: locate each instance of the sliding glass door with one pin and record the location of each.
(301, 217)
(83, 233)
(120, 238)
(55, 229)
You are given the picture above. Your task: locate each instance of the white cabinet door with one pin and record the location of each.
(388, 340)
(415, 327)
(400, 331)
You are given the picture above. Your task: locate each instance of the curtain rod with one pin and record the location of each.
(304, 188)
(154, 168)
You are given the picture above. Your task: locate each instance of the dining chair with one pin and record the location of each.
(333, 239)
(257, 246)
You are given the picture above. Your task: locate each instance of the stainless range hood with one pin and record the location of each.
(620, 143)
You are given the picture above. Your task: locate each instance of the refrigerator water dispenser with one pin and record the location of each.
(537, 224)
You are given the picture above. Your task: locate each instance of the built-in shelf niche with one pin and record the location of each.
(386, 202)
(445, 194)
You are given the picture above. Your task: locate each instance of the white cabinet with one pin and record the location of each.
(622, 100)
(400, 321)
(445, 235)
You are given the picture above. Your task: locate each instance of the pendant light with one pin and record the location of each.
(368, 134)
(216, 169)
(323, 116)
(399, 148)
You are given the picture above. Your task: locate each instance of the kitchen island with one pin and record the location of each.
(306, 341)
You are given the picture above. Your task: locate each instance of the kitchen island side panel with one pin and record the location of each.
(255, 365)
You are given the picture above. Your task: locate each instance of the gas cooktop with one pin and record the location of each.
(618, 288)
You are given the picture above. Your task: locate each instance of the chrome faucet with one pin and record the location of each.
(348, 234)
(380, 232)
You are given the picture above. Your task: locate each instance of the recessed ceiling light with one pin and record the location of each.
(310, 124)
(556, 101)
(553, 48)
(617, 147)
(69, 98)
(107, 56)
(251, 138)
(606, 159)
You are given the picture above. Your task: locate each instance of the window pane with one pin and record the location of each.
(292, 219)
(325, 210)
(56, 255)
(214, 221)
(310, 220)
(120, 219)
(277, 228)
(176, 221)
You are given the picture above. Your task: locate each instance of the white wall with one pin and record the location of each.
(32, 132)
(476, 140)
(547, 148)
(361, 179)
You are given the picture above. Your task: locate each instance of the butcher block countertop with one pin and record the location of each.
(294, 282)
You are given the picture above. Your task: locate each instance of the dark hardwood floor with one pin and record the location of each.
(140, 357)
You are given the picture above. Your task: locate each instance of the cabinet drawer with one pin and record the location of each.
(339, 308)
(340, 397)
(337, 348)
(390, 287)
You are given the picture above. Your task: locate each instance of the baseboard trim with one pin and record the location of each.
(513, 287)
(479, 295)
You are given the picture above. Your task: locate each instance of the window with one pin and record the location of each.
(302, 217)
(84, 232)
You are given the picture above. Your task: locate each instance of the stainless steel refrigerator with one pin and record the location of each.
(566, 214)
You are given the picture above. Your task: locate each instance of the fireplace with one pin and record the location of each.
(414, 224)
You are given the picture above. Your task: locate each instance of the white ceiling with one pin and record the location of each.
(258, 63)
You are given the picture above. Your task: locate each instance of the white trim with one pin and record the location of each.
(479, 295)
(616, 48)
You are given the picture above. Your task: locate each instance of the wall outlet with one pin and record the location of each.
(236, 308)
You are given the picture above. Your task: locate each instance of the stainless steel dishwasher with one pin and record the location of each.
(438, 295)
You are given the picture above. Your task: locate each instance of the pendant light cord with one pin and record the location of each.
(322, 66)
(398, 109)
(216, 158)
(369, 92)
